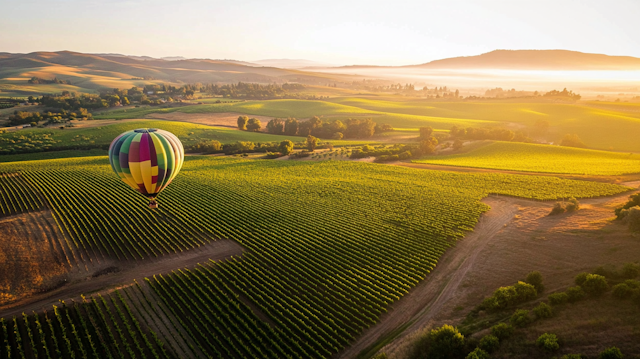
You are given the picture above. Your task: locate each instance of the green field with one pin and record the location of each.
(600, 125)
(50, 139)
(541, 158)
(328, 245)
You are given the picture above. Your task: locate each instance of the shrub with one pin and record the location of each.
(548, 342)
(535, 279)
(543, 310)
(558, 298)
(520, 318)
(631, 217)
(273, 155)
(574, 294)
(595, 284)
(630, 270)
(524, 292)
(572, 356)
(478, 353)
(489, 343)
(611, 353)
(558, 208)
(446, 342)
(572, 205)
(285, 147)
(580, 278)
(507, 296)
(502, 331)
(633, 284)
(622, 291)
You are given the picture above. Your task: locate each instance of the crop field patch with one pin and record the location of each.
(383, 230)
(541, 158)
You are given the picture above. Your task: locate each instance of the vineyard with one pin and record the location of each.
(328, 247)
(542, 158)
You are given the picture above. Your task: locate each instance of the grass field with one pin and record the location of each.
(319, 287)
(541, 158)
(49, 139)
(603, 126)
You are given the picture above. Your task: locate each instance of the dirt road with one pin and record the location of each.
(126, 273)
(427, 298)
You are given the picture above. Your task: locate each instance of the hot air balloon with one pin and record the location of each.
(147, 159)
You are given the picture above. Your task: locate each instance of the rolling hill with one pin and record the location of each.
(90, 72)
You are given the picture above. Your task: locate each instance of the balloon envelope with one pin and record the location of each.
(147, 159)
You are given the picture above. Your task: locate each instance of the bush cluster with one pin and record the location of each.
(548, 342)
(570, 205)
(520, 318)
(504, 297)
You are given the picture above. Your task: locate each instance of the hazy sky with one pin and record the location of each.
(388, 32)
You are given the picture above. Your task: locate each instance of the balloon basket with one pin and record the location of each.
(153, 204)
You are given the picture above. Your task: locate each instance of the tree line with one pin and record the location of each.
(315, 126)
(34, 118)
(55, 80)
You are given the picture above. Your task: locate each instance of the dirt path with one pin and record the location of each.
(126, 273)
(427, 298)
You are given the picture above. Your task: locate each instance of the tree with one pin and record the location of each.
(285, 147)
(520, 318)
(426, 132)
(428, 146)
(543, 310)
(312, 143)
(630, 270)
(611, 353)
(276, 126)
(242, 122)
(446, 342)
(457, 144)
(574, 294)
(595, 284)
(535, 279)
(254, 125)
(572, 140)
(548, 341)
(478, 353)
(489, 343)
(291, 126)
(558, 298)
(502, 331)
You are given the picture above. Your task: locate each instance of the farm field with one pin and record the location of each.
(541, 158)
(48, 139)
(306, 292)
(604, 126)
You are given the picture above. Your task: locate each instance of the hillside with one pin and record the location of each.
(537, 60)
(90, 72)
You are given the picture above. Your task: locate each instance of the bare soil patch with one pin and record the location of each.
(125, 275)
(223, 119)
(33, 256)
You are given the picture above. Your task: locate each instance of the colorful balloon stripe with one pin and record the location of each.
(146, 159)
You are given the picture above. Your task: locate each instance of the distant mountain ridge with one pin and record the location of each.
(291, 63)
(536, 60)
